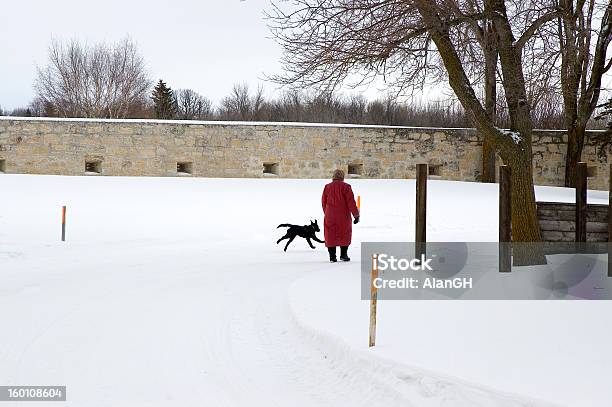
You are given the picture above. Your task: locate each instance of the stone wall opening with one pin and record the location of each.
(93, 167)
(2, 166)
(270, 169)
(591, 172)
(355, 170)
(184, 168)
(435, 170)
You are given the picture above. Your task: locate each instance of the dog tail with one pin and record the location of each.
(283, 225)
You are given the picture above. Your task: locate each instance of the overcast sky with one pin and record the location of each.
(206, 45)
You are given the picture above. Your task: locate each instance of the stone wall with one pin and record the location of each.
(222, 149)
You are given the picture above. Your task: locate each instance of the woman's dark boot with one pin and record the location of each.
(344, 253)
(332, 254)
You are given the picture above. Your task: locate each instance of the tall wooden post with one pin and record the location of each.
(373, 301)
(610, 221)
(421, 210)
(581, 201)
(63, 223)
(505, 219)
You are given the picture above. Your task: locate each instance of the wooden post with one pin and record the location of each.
(63, 223)
(505, 219)
(373, 300)
(609, 221)
(421, 210)
(581, 201)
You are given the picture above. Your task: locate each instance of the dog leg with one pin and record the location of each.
(289, 242)
(316, 239)
(282, 238)
(310, 243)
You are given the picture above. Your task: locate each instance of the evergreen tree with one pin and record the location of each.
(164, 100)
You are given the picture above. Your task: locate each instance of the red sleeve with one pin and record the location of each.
(350, 201)
(324, 199)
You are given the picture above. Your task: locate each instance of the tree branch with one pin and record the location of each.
(535, 26)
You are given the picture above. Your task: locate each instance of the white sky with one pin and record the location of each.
(206, 45)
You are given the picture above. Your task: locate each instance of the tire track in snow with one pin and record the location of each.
(273, 362)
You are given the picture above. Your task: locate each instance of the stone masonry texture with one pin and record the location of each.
(294, 150)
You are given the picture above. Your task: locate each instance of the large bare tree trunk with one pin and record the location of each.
(575, 145)
(488, 162)
(525, 226)
(490, 85)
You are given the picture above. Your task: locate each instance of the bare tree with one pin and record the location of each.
(240, 105)
(237, 106)
(258, 104)
(93, 81)
(477, 46)
(327, 41)
(295, 106)
(193, 106)
(583, 48)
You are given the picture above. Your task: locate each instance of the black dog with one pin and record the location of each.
(306, 231)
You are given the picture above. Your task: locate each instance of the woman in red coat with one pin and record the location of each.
(338, 205)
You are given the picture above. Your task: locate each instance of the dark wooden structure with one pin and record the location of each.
(420, 237)
(558, 222)
(581, 202)
(505, 219)
(421, 203)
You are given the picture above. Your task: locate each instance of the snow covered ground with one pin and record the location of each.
(171, 291)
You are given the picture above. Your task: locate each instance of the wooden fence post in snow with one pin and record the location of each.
(505, 219)
(581, 201)
(609, 221)
(421, 210)
(373, 301)
(63, 223)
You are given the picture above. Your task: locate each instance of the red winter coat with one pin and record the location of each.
(338, 204)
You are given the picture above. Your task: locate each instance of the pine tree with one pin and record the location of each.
(164, 100)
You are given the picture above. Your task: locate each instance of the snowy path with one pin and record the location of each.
(172, 292)
(148, 334)
(200, 335)
(147, 331)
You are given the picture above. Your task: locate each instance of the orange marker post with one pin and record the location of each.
(63, 223)
(359, 202)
